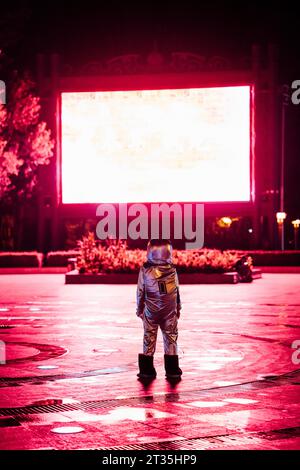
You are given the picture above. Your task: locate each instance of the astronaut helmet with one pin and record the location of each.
(159, 251)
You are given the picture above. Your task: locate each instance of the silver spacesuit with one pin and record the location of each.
(158, 299)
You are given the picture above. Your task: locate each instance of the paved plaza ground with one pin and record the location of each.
(71, 361)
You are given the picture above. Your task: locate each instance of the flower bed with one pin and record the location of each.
(115, 257)
(204, 261)
(190, 261)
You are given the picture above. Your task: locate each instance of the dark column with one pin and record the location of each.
(54, 79)
(256, 187)
(273, 140)
(40, 74)
(266, 145)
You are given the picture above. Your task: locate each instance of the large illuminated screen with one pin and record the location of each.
(170, 145)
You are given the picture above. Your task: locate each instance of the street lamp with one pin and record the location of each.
(281, 216)
(226, 222)
(296, 225)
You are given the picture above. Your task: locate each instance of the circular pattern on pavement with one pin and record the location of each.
(17, 352)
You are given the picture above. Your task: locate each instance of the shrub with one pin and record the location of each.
(22, 259)
(60, 258)
(107, 257)
(114, 256)
(204, 260)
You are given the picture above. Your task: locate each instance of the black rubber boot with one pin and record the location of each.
(147, 370)
(172, 368)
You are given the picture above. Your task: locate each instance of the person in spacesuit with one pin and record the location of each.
(158, 305)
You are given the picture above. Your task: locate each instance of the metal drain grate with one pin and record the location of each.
(277, 434)
(8, 422)
(40, 409)
(150, 399)
(188, 444)
(11, 381)
(203, 443)
(268, 382)
(226, 442)
(86, 406)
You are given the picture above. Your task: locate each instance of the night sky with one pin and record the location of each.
(82, 31)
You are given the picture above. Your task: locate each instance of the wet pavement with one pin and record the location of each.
(70, 382)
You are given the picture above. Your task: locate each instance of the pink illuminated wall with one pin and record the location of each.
(156, 145)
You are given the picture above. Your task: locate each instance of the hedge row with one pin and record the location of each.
(59, 258)
(22, 259)
(273, 258)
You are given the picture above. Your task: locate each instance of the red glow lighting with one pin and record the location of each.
(156, 145)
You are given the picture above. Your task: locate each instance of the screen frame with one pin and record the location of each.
(156, 82)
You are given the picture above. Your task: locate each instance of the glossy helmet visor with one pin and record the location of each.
(159, 252)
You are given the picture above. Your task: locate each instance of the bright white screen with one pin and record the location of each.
(156, 145)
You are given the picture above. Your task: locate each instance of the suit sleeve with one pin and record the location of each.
(178, 294)
(140, 294)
